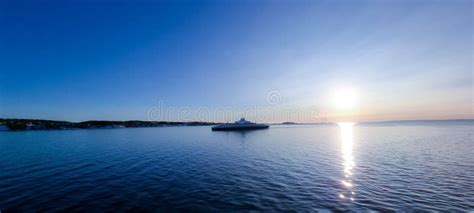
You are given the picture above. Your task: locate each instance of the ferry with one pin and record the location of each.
(241, 124)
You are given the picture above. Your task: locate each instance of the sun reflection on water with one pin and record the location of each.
(347, 141)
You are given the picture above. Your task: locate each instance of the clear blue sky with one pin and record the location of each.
(81, 60)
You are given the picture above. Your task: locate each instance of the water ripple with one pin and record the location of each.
(307, 169)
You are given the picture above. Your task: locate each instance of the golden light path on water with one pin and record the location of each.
(347, 141)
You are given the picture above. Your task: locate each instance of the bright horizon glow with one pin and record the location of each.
(344, 99)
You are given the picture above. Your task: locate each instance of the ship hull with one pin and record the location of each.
(239, 127)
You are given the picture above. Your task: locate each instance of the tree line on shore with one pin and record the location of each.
(37, 124)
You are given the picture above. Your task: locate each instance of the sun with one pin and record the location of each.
(344, 98)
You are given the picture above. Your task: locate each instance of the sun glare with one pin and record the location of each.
(344, 99)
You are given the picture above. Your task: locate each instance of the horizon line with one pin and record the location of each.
(191, 121)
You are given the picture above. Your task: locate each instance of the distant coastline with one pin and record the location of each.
(38, 124)
(7, 124)
(390, 122)
(415, 122)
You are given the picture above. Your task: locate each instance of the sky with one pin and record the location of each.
(270, 61)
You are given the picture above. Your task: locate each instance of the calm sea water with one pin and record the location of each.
(304, 168)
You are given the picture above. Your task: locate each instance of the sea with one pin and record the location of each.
(355, 167)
